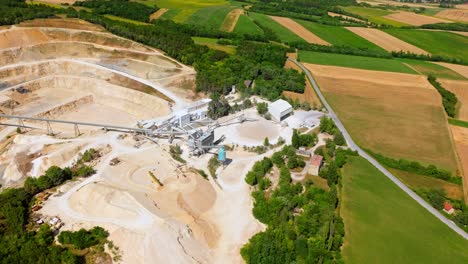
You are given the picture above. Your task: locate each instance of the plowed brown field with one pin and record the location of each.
(454, 14)
(460, 136)
(388, 113)
(386, 41)
(415, 19)
(299, 30)
(460, 89)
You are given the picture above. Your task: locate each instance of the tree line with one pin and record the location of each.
(449, 99)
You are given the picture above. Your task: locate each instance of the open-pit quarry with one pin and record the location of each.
(82, 73)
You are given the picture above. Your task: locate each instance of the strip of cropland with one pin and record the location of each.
(231, 19)
(460, 136)
(446, 44)
(212, 17)
(338, 36)
(299, 30)
(386, 41)
(374, 15)
(460, 89)
(415, 19)
(284, 34)
(245, 25)
(388, 113)
(460, 69)
(429, 68)
(384, 225)
(358, 62)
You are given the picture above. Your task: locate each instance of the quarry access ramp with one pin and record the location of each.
(76, 123)
(352, 145)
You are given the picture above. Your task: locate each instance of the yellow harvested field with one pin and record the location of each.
(464, 6)
(454, 14)
(309, 94)
(347, 17)
(158, 14)
(460, 69)
(395, 3)
(231, 20)
(299, 30)
(388, 113)
(460, 136)
(415, 19)
(385, 41)
(460, 89)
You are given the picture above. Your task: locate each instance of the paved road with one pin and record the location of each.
(354, 146)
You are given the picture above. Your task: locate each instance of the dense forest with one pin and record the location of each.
(303, 223)
(16, 11)
(121, 8)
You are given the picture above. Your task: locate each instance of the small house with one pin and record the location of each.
(448, 208)
(316, 163)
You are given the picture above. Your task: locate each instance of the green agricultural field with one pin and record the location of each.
(338, 35)
(284, 34)
(245, 25)
(358, 62)
(384, 225)
(212, 17)
(126, 20)
(183, 4)
(212, 44)
(170, 14)
(435, 42)
(427, 68)
(374, 15)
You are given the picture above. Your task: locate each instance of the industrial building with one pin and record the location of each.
(279, 110)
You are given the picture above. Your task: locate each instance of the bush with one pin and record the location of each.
(83, 239)
(262, 108)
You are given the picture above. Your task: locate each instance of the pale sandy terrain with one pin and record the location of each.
(71, 23)
(299, 30)
(460, 89)
(231, 19)
(460, 69)
(158, 13)
(460, 136)
(386, 41)
(415, 19)
(454, 14)
(347, 17)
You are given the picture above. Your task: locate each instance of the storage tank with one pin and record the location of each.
(222, 155)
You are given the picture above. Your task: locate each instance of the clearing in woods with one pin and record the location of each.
(212, 43)
(386, 41)
(299, 30)
(358, 62)
(384, 225)
(441, 43)
(338, 35)
(454, 14)
(460, 136)
(460, 89)
(231, 19)
(212, 17)
(388, 113)
(284, 34)
(415, 19)
(245, 25)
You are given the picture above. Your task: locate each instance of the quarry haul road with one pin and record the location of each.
(352, 145)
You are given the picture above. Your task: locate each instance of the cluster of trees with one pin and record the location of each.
(303, 140)
(257, 174)
(303, 225)
(447, 26)
(414, 167)
(54, 176)
(449, 99)
(287, 157)
(121, 8)
(16, 11)
(83, 238)
(327, 125)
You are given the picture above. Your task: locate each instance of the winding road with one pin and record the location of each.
(352, 145)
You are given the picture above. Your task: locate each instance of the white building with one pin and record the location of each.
(279, 109)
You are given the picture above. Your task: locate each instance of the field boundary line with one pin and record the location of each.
(352, 145)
